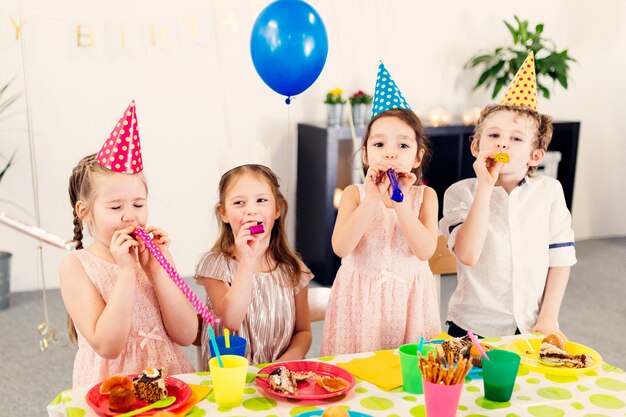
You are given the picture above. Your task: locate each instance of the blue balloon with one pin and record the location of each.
(289, 46)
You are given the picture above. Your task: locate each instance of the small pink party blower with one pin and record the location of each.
(257, 228)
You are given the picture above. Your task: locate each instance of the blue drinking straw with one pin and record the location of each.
(215, 349)
(420, 346)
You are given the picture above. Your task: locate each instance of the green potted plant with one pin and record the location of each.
(499, 67)
(5, 164)
(359, 102)
(334, 104)
(4, 104)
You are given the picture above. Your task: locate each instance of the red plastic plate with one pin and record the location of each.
(309, 389)
(175, 387)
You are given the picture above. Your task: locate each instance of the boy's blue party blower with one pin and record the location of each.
(396, 193)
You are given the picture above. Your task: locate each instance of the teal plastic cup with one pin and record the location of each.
(499, 374)
(237, 346)
(411, 374)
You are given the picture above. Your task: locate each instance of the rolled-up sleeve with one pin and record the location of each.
(457, 201)
(562, 250)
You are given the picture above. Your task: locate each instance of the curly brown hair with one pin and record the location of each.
(542, 122)
(411, 119)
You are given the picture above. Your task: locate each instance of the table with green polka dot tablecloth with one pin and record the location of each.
(600, 392)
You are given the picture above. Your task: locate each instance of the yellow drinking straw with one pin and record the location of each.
(532, 350)
(227, 338)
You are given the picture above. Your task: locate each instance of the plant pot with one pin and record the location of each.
(359, 114)
(5, 279)
(335, 114)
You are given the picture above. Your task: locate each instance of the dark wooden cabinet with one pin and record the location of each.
(326, 162)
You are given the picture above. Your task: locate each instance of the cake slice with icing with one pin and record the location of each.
(285, 381)
(553, 356)
(150, 385)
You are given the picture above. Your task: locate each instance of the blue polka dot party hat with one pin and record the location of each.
(387, 95)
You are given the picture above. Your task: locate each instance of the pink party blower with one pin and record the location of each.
(257, 228)
(207, 316)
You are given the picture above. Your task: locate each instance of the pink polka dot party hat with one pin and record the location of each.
(522, 91)
(121, 152)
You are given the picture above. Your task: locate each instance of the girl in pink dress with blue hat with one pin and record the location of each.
(384, 294)
(125, 313)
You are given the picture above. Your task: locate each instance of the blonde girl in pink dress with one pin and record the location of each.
(125, 312)
(256, 283)
(384, 294)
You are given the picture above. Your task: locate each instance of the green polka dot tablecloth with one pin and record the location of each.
(600, 392)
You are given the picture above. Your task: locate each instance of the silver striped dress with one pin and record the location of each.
(271, 318)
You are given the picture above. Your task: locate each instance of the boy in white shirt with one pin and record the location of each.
(510, 231)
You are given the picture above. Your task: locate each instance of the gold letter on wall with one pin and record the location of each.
(193, 22)
(157, 34)
(18, 28)
(84, 36)
(123, 36)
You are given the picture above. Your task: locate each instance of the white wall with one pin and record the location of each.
(195, 93)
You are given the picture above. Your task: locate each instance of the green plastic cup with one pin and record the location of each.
(411, 374)
(499, 373)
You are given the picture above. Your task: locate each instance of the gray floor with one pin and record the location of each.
(593, 313)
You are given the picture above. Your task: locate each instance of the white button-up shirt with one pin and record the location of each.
(529, 231)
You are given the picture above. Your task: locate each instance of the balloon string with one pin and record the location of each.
(290, 157)
(355, 140)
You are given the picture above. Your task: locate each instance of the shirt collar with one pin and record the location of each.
(523, 181)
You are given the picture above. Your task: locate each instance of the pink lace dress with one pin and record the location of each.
(148, 343)
(383, 296)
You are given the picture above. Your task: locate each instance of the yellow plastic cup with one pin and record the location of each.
(229, 381)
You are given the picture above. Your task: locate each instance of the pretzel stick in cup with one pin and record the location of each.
(458, 371)
(451, 375)
(465, 367)
(438, 370)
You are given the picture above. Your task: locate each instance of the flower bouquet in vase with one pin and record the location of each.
(359, 102)
(334, 103)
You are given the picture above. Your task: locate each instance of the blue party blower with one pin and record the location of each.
(396, 193)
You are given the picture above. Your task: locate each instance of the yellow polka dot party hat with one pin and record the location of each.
(522, 91)
(121, 152)
(387, 95)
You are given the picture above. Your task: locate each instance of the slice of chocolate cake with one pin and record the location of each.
(459, 347)
(285, 381)
(281, 381)
(553, 356)
(150, 385)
